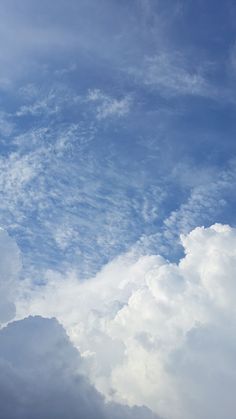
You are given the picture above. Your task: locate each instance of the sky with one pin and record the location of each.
(117, 209)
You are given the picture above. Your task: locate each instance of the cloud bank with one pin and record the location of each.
(155, 333)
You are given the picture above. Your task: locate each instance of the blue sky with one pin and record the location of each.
(117, 136)
(140, 95)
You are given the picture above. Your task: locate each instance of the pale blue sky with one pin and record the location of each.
(117, 126)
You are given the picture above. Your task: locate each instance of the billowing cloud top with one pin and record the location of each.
(156, 333)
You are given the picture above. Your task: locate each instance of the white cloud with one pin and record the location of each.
(107, 106)
(156, 333)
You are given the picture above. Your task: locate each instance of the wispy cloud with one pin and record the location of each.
(107, 106)
(10, 266)
(172, 74)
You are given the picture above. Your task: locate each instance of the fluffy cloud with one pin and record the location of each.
(42, 376)
(156, 333)
(10, 265)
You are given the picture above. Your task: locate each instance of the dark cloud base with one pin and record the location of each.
(41, 378)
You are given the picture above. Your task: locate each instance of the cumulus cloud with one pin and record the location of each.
(10, 265)
(42, 377)
(156, 333)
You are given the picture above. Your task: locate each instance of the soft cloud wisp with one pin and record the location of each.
(10, 266)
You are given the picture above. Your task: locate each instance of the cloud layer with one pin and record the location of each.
(156, 333)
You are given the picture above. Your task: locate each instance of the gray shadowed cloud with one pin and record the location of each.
(41, 377)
